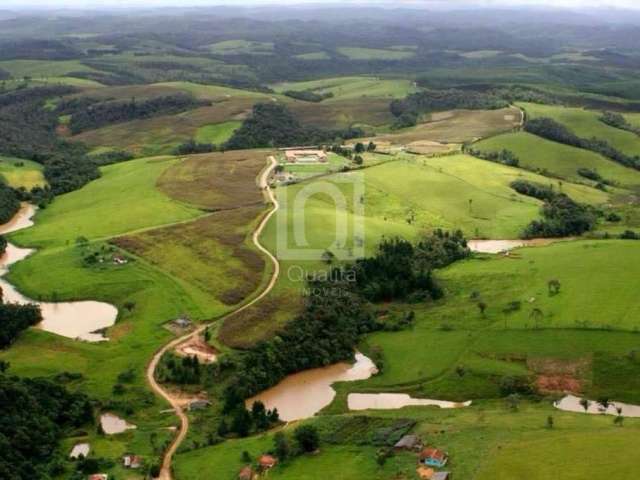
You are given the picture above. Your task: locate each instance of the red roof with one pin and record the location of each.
(246, 473)
(433, 453)
(267, 461)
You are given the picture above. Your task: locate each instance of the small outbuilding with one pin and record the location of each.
(132, 461)
(441, 476)
(267, 461)
(433, 457)
(409, 442)
(99, 476)
(199, 404)
(247, 473)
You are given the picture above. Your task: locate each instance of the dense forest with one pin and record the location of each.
(35, 415)
(15, 319)
(552, 130)
(28, 130)
(92, 116)
(273, 125)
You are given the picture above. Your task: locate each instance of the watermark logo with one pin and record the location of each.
(322, 216)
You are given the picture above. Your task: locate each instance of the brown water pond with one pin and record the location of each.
(571, 403)
(392, 401)
(303, 394)
(499, 246)
(77, 320)
(112, 424)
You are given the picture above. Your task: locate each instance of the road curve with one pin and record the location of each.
(165, 470)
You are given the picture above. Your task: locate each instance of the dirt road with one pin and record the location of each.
(165, 471)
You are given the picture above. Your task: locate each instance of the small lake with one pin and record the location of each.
(77, 320)
(571, 403)
(112, 424)
(393, 401)
(304, 394)
(499, 246)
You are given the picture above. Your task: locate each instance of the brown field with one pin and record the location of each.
(216, 181)
(343, 114)
(212, 253)
(457, 126)
(160, 135)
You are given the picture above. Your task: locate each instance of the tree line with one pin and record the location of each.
(95, 115)
(562, 216)
(9, 204)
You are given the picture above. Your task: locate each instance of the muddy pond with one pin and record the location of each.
(393, 401)
(78, 320)
(571, 403)
(500, 246)
(112, 424)
(303, 394)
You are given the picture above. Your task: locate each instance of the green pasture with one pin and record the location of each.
(344, 88)
(124, 199)
(558, 159)
(314, 56)
(359, 53)
(17, 172)
(241, 47)
(585, 123)
(43, 68)
(217, 133)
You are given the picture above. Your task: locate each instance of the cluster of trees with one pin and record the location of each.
(15, 319)
(35, 49)
(505, 157)
(112, 156)
(617, 120)
(561, 215)
(35, 415)
(552, 130)
(180, 370)
(308, 95)
(239, 421)
(98, 115)
(27, 130)
(408, 110)
(339, 311)
(592, 174)
(9, 203)
(273, 125)
(191, 146)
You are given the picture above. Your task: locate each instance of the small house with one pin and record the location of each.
(409, 442)
(267, 461)
(247, 473)
(199, 404)
(182, 322)
(433, 457)
(99, 476)
(305, 156)
(425, 473)
(441, 476)
(132, 461)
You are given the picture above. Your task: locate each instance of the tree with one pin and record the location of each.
(537, 316)
(241, 423)
(513, 401)
(307, 438)
(259, 415)
(281, 445)
(359, 148)
(371, 147)
(245, 457)
(585, 403)
(618, 421)
(328, 257)
(358, 160)
(549, 422)
(554, 287)
(604, 401)
(482, 307)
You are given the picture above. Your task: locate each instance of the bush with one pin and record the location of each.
(307, 438)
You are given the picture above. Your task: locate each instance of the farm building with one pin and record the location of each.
(267, 461)
(247, 473)
(433, 457)
(198, 404)
(132, 461)
(305, 156)
(409, 442)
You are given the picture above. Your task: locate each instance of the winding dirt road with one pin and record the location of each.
(165, 471)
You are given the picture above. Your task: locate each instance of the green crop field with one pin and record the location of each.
(558, 159)
(585, 123)
(21, 173)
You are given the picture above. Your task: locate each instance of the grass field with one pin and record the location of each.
(558, 159)
(43, 68)
(123, 200)
(585, 123)
(241, 47)
(344, 88)
(314, 56)
(217, 133)
(21, 173)
(358, 53)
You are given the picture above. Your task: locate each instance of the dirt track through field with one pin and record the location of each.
(165, 471)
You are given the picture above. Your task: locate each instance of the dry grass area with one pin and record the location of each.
(342, 114)
(457, 126)
(212, 253)
(161, 134)
(216, 181)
